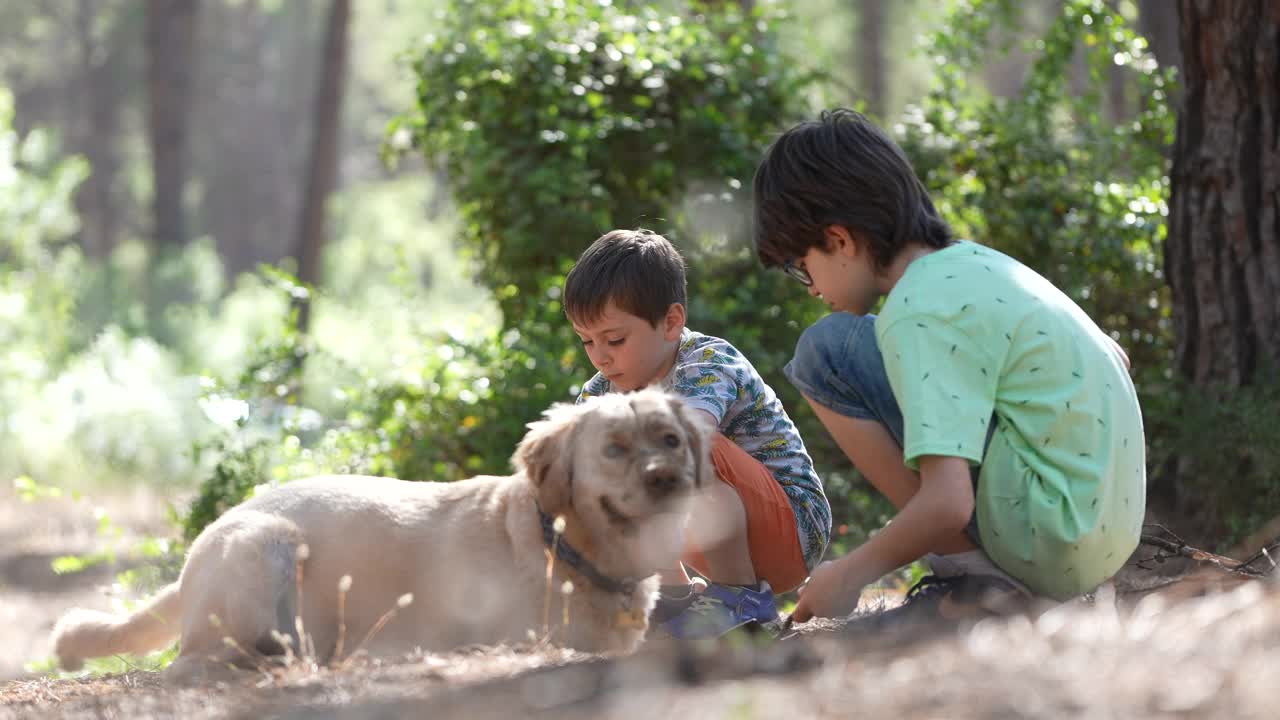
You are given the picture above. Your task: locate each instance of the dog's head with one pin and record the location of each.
(625, 466)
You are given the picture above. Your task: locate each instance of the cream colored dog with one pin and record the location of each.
(619, 469)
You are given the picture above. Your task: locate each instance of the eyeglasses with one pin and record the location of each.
(798, 273)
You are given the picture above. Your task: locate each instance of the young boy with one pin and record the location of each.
(982, 402)
(766, 523)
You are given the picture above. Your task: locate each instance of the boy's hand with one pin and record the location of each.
(830, 592)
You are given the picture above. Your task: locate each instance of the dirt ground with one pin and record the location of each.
(1205, 647)
(33, 534)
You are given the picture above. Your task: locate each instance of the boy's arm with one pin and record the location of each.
(939, 510)
(708, 417)
(707, 383)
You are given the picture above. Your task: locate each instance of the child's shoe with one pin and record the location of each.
(942, 600)
(721, 608)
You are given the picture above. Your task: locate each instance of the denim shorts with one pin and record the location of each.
(838, 365)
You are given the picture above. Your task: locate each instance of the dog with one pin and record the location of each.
(315, 564)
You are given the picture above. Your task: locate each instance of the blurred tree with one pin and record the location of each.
(102, 35)
(1158, 20)
(86, 101)
(873, 27)
(170, 41)
(323, 170)
(1222, 256)
(254, 110)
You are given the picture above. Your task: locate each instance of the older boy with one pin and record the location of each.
(982, 402)
(767, 522)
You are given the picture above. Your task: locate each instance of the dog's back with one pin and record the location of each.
(248, 579)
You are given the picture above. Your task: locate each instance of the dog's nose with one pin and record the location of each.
(660, 481)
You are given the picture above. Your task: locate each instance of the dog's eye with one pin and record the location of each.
(614, 450)
(672, 440)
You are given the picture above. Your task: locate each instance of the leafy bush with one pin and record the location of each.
(557, 122)
(38, 263)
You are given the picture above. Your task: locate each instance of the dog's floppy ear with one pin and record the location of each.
(545, 456)
(700, 430)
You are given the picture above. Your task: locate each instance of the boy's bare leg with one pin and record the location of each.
(718, 526)
(873, 451)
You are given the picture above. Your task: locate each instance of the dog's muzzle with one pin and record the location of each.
(662, 480)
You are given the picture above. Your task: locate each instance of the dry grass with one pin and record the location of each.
(1199, 648)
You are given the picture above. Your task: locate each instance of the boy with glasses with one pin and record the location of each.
(982, 401)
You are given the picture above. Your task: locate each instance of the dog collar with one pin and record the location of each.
(564, 551)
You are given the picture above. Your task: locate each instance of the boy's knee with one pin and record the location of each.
(829, 354)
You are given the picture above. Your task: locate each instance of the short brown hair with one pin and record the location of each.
(639, 270)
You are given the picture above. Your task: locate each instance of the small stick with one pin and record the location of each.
(566, 589)
(300, 556)
(344, 586)
(403, 602)
(558, 528)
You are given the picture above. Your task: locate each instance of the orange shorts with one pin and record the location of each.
(772, 537)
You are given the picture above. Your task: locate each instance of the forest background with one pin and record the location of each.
(244, 241)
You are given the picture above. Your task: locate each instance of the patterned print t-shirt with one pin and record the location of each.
(713, 376)
(969, 333)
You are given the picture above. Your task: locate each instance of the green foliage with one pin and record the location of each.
(74, 403)
(1044, 177)
(556, 124)
(1225, 445)
(559, 122)
(38, 263)
(458, 413)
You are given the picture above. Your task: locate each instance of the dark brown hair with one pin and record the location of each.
(639, 270)
(840, 170)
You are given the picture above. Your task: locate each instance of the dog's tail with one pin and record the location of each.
(82, 634)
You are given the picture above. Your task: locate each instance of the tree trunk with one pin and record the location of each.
(99, 113)
(1158, 22)
(254, 107)
(171, 33)
(322, 175)
(872, 27)
(1222, 256)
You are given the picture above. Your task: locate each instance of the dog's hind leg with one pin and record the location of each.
(281, 559)
(242, 580)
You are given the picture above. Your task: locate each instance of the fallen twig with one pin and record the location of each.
(1175, 546)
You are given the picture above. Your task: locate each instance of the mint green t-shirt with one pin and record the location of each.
(969, 332)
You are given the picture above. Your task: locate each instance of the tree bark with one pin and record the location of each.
(323, 170)
(1222, 256)
(171, 34)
